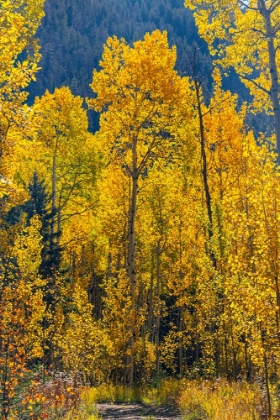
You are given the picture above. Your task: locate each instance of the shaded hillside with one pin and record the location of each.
(73, 33)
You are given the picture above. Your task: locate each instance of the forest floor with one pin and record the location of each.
(136, 412)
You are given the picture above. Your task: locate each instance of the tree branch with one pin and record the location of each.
(246, 6)
(273, 5)
(254, 82)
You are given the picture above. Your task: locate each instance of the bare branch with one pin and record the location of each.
(276, 28)
(246, 6)
(254, 82)
(273, 5)
(258, 31)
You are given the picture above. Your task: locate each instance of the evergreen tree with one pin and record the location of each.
(38, 204)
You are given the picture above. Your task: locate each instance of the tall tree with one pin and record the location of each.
(143, 102)
(38, 204)
(19, 55)
(61, 150)
(245, 35)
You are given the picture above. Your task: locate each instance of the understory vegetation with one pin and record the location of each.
(195, 399)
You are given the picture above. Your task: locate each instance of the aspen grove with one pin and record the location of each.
(151, 247)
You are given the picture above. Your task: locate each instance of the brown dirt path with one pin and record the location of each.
(136, 412)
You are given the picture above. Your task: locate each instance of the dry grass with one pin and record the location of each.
(219, 400)
(197, 400)
(109, 393)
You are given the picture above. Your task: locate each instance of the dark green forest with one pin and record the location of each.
(73, 33)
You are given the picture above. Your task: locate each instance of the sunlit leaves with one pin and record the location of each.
(141, 96)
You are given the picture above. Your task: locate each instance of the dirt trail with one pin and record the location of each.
(136, 412)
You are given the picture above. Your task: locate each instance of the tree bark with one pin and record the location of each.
(131, 269)
(54, 211)
(157, 320)
(131, 241)
(204, 173)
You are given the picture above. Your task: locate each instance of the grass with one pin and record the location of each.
(165, 393)
(112, 394)
(197, 400)
(219, 400)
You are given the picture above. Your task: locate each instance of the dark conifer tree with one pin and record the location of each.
(39, 204)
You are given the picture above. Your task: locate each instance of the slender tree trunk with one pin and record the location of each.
(53, 222)
(44, 347)
(266, 377)
(131, 241)
(204, 173)
(247, 366)
(274, 92)
(181, 325)
(151, 301)
(197, 338)
(131, 269)
(276, 264)
(226, 355)
(158, 315)
(181, 310)
(4, 382)
(234, 363)
(58, 229)
(50, 300)
(274, 247)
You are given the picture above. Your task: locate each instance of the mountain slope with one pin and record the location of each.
(74, 31)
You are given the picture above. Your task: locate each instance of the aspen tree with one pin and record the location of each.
(19, 21)
(142, 101)
(22, 310)
(245, 35)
